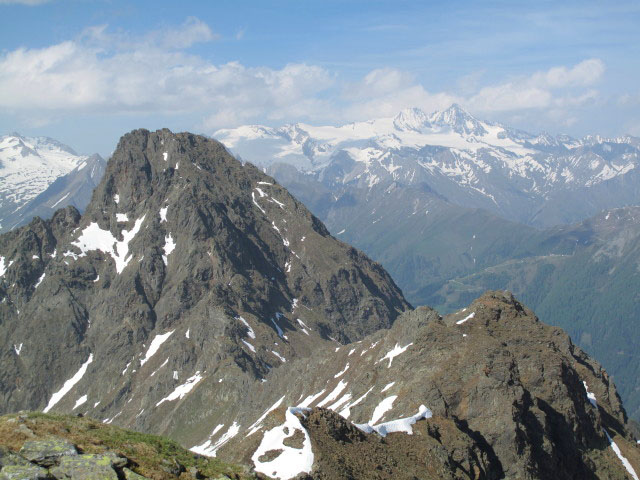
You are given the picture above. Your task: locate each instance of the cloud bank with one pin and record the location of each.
(103, 73)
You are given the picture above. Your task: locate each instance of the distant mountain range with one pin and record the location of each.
(537, 180)
(40, 175)
(196, 297)
(453, 206)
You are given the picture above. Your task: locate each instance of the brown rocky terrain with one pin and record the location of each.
(506, 397)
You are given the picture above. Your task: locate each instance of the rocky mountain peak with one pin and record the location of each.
(459, 120)
(187, 269)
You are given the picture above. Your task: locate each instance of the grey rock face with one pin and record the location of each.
(187, 269)
(8, 458)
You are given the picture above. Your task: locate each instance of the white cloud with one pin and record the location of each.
(558, 86)
(386, 91)
(190, 32)
(585, 73)
(101, 72)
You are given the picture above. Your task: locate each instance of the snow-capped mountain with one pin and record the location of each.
(29, 166)
(471, 162)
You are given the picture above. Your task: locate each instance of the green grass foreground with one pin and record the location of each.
(152, 456)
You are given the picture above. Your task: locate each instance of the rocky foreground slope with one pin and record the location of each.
(196, 298)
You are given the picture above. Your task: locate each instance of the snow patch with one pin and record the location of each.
(307, 402)
(255, 426)
(625, 463)
(68, 385)
(278, 329)
(209, 449)
(163, 214)
(623, 459)
(282, 359)
(399, 425)
(397, 350)
(251, 347)
(291, 461)
(334, 393)
(342, 371)
(383, 407)
(387, 387)
(158, 369)
(253, 198)
(39, 281)
(304, 327)
(80, 401)
(156, 343)
(250, 331)
(346, 411)
(94, 238)
(468, 317)
(169, 246)
(182, 390)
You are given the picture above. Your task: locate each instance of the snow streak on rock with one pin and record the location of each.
(68, 385)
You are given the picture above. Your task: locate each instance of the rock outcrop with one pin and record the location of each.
(488, 392)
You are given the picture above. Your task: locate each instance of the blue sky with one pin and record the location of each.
(85, 72)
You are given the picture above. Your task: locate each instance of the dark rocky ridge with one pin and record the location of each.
(239, 251)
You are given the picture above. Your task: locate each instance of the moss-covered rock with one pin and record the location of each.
(85, 467)
(23, 472)
(46, 452)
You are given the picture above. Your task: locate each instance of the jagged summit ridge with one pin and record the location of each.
(411, 119)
